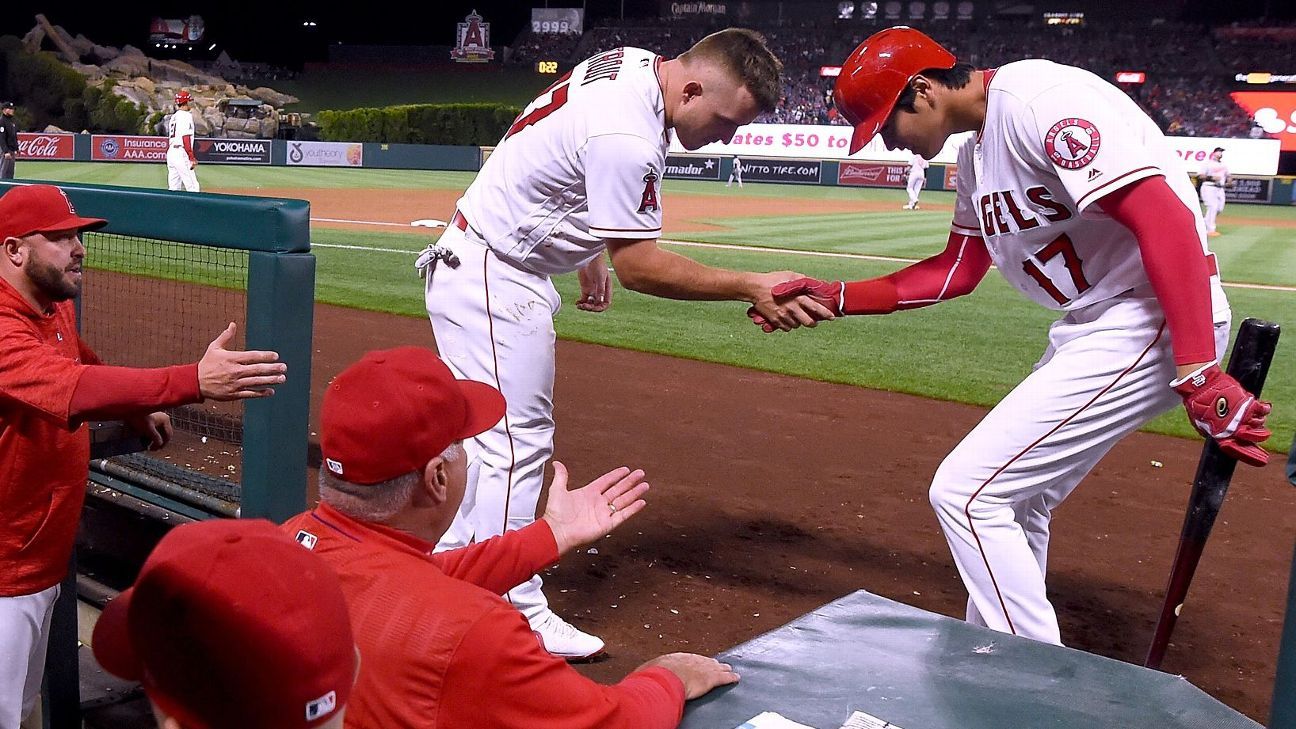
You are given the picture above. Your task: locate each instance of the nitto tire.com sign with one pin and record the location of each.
(770, 170)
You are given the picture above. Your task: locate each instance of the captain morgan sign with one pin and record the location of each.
(472, 41)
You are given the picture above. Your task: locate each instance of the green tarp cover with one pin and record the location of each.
(919, 670)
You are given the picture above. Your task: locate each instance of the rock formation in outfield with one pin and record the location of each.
(220, 108)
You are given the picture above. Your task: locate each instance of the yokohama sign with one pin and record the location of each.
(45, 146)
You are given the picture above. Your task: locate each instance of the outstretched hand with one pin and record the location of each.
(586, 514)
(230, 374)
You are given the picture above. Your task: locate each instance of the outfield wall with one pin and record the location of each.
(714, 162)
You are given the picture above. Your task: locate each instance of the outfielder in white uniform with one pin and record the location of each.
(917, 178)
(1214, 176)
(735, 173)
(1077, 198)
(580, 171)
(180, 151)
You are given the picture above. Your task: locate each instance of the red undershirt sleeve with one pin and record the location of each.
(1174, 259)
(954, 272)
(188, 146)
(119, 392)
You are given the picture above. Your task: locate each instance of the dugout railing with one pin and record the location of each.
(162, 279)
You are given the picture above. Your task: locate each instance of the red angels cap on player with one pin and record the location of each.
(31, 209)
(183, 97)
(233, 624)
(395, 410)
(876, 73)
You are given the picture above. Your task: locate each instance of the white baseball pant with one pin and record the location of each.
(1212, 197)
(493, 323)
(24, 638)
(1104, 375)
(915, 187)
(180, 175)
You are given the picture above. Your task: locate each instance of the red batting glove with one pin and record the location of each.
(828, 294)
(1220, 408)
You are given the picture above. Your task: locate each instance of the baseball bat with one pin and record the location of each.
(1249, 365)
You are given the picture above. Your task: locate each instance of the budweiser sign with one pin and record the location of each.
(45, 146)
(872, 174)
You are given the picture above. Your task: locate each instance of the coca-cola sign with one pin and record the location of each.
(45, 146)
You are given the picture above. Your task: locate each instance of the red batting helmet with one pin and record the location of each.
(876, 74)
(183, 97)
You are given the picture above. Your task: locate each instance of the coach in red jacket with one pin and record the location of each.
(50, 383)
(439, 647)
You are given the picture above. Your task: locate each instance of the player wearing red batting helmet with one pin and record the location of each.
(876, 74)
(181, 159)
(1076, 197)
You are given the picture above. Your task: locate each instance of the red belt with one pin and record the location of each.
(1211, 264)
(459, 221)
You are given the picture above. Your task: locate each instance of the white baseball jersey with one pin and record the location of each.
(1212, 171)
(583, 163)
(918, 168)
(182, 125)
(737, 165)
(1055, 139)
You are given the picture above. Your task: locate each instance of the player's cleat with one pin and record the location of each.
(563, 639)
(1214, 234)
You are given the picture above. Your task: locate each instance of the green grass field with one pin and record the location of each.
(970, 350)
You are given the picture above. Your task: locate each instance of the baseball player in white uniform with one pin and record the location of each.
(1077, 198)
(180, 150)
(735, 173)
(577, 173)
(917, 178)
(1214, 176)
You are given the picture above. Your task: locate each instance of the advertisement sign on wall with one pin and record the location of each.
(326, 154)
(693, 168)
(233, 151)
(872, 174)
(1274, 111)
(951, 177)
(1249, 189)
(127, 148)
(45, 146)
(818, 141)
(802, 172)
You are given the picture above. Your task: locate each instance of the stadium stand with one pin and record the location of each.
(1189, 67)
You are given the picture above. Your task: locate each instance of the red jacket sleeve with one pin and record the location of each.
(500, 676)
(501, 563)
(954, 272)
(1174, 259)
(36, 375)
(119, 392)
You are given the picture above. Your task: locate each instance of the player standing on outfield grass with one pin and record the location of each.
(578, 172)
(1075, 195)
(180, 150)
(735, 173)
(1214, 176)
(917, 178)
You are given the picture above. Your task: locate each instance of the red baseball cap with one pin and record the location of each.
(876, 73)
(233, 624)
(28, 209)
(395, 410)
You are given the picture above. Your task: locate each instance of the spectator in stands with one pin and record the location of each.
(50, 384)
(232, 624)
(441, 647)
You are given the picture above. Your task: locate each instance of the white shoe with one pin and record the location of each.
(563, 639)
